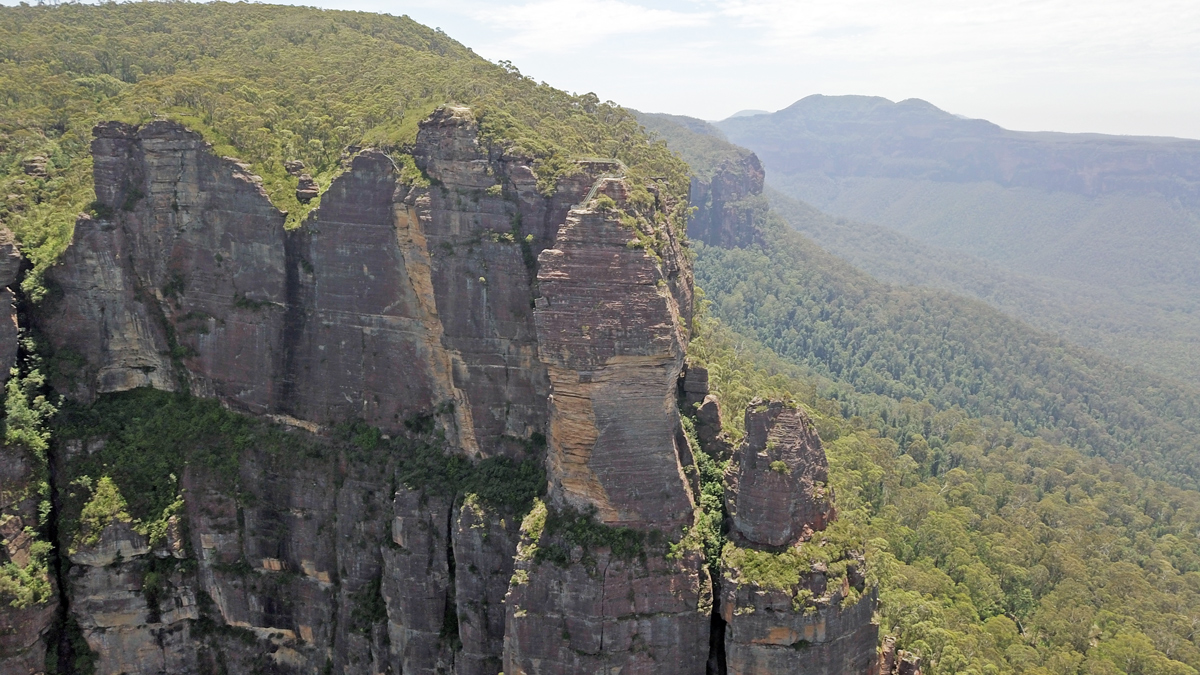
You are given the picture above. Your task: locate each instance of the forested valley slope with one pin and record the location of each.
(901, 376)
(1094, 238)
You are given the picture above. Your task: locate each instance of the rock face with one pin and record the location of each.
(25, 614)
(765, 634)
(611, 333)
(463, 302)
(609, 615)
(25, 619)
(307, 188)
(776, 488)
(455, 310)
(779, 504)
(10, 267)
(705, 410)
(725, 204)
(390, 301)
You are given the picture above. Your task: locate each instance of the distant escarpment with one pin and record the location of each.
(727, 181)
(729, 204)
(433, 429)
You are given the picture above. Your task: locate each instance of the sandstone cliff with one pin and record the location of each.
(727, 202)
(794, 597)
(614, 361)
(460, 308)
(318, 449)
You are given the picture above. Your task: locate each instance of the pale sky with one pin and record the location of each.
(1124, 67)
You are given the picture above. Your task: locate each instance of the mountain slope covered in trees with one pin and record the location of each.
(995, 552)
(999, 547)
(927, 345)
(1106, 227)
(1103, 319)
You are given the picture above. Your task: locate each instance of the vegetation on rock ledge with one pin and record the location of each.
(141, 442)
(266, 84)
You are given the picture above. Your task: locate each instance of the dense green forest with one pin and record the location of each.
(898, 342)
(1148, 331)
(266, 84)
(962, 447)
(995, 552)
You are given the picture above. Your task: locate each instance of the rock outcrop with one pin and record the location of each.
(777, 490)
(390, 301)
(422, 339)
(461, 304)
(612, 335)
(726, 203)
(613, 340)
(28, 606)
(28, 593)
(705, 410)
(766, 633)
(805, 606)
(609, 615)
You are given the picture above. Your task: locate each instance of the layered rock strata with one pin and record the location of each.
(194, 283)
(613, 339)
(453, 309)
(767, 634)
(613, 336)
(779, 504)
(461, 302)
(777, 490)
(609, 615)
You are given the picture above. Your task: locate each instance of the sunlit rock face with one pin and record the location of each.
(777, 490)
(464, 298)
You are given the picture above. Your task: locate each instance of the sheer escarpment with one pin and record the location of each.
(433, 429)
(726, 203)
(613, 338)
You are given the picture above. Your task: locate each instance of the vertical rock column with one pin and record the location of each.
(610, 335)
(812, 612)
(28, 608)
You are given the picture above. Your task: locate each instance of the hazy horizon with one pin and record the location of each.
(1056, 65)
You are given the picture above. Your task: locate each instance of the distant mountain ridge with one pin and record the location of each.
(749, 113)
(872, 136)
(1110, 225)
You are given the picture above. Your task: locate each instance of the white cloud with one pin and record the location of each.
(567, 26)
